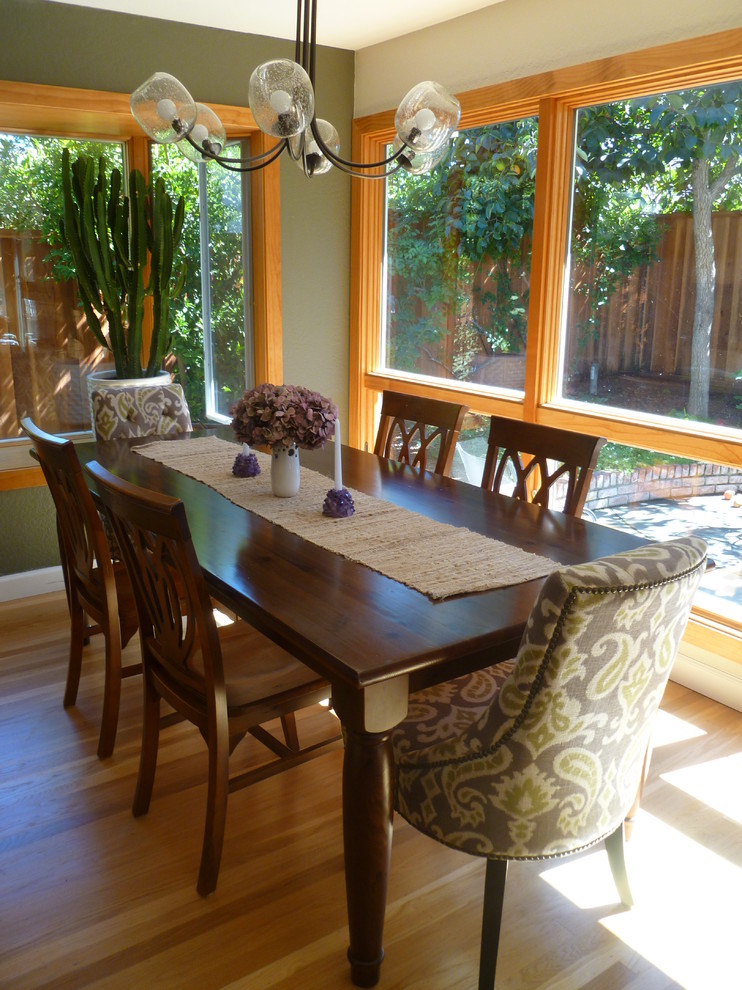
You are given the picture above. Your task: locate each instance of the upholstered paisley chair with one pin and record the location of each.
(139, 411)
(542, 757)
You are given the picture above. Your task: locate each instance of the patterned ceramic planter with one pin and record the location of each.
(102, 380)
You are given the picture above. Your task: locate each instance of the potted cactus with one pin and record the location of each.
(117, 242)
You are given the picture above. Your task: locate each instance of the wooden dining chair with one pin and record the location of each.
(536, 458)
(97, 587)
(226, 680)
(419, 431)
(546, 760)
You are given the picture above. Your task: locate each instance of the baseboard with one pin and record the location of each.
(709, 675)
(30, 583)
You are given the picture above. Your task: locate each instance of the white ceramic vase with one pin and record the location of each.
(285, 471)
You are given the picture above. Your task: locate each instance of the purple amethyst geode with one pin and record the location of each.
(246, 466)
(338, 504)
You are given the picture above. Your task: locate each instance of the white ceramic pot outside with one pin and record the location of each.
(285, 471)
(105, 380)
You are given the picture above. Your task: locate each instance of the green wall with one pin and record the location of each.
(65, 45)
(28, 534)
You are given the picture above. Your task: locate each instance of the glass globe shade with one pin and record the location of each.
(427, 116)
(281, 98)
(419, 162)
(317, 162)
(164, 108)
(208, 132)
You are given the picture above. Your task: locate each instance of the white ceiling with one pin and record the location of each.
(349, 24)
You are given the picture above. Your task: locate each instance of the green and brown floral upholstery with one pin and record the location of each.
(553, 761)
(156, 410)
(543, 756)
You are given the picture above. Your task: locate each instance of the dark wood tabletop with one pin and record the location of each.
(325, 606)
(374, 639)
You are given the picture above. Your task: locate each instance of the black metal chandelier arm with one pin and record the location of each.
(352, 170)
(250, 164)
(343, 164)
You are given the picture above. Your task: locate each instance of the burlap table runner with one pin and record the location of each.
(434, 558)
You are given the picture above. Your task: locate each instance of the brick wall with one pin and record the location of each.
(611, 488)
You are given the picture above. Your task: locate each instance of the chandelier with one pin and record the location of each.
(281, 98)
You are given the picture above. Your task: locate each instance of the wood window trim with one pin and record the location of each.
(82, 113)
(554, 96)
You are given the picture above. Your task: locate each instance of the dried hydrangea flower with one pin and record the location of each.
(282, 415)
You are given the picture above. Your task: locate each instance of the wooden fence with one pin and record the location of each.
(646, 327)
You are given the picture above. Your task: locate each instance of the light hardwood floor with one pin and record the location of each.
(91, 897)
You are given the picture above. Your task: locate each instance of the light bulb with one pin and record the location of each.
(424, 119)
(166, 110)
(199, 134)
(207, 134)
(280, 100)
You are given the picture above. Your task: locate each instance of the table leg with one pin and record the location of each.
(367, 830)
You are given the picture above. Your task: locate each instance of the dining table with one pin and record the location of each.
(374, 638)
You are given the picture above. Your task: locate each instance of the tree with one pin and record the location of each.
(679, 151)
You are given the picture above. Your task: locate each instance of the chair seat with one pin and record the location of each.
(445, 712)
(258, 673)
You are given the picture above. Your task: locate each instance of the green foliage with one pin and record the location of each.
(616, 457)
(31, 188)
(473, 215)
(112, 239)
(655, 140)
(464, 225)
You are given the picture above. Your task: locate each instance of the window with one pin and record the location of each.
(212, 334)
(653, 319)
(46, 348)
(457, 260)
(617, 281)
(34, 112)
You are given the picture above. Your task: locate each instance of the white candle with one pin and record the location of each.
(338, 458)
(245, 449)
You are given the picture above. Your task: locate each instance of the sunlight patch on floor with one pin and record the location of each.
(221, 618)
(710, 783)
(686, 917)
(670, 729)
